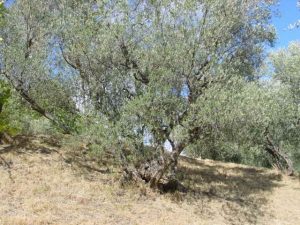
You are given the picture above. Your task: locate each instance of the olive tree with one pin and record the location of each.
(286, 72)
(250, 122)
(142, 66)
(255, 122)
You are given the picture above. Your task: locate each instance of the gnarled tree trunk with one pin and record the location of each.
(158, 172)
(281, 159)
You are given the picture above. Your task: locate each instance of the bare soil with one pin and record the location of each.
(40, 184)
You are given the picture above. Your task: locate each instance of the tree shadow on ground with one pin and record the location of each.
(237, 193)
(47, 145)
(22, 144)
(241, 191)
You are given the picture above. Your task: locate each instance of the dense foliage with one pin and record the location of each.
(287, 74)
(135, 76)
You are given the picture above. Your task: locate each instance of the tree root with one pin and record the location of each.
(154, 174)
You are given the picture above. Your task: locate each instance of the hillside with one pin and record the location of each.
(41, 184)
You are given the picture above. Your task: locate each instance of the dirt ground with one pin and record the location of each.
(38, 185)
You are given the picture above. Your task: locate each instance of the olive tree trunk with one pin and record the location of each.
(282, 160)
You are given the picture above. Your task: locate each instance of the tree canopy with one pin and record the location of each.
(149, 73)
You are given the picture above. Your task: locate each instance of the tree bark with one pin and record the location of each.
(158, 172)
(282, 160)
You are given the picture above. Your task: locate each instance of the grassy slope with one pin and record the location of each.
(38, 187)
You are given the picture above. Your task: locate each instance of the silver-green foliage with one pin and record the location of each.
(286, 63)
(237, 119)
(149, 68)
(238, 116)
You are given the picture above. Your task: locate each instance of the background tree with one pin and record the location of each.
(286, 73)
(255, 122)
(249, 122)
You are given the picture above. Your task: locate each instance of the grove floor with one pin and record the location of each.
(39, 186)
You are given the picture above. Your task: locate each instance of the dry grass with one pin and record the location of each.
(38, 186)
